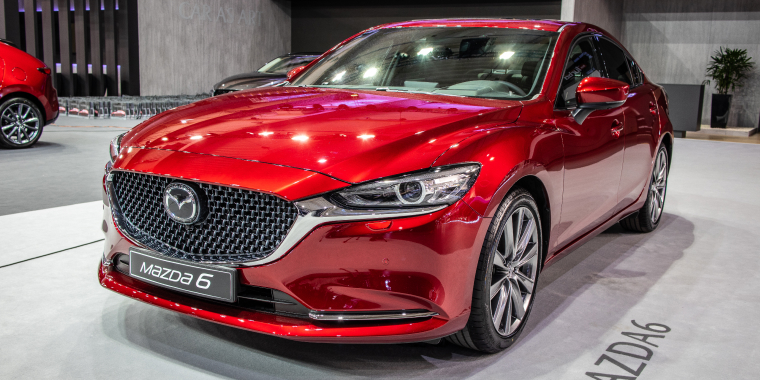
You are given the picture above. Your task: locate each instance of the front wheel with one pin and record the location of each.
(506, 277)
(20, 123)
(648, 218)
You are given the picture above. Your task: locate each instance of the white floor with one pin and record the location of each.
(697, 275)
(31, 234)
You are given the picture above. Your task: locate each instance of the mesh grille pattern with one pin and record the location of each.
(241, 225)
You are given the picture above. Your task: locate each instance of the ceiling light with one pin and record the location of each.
(338, 76)
(370, 72)
(506, 55)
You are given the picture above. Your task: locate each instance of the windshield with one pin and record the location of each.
(476, 62)
(281, 65)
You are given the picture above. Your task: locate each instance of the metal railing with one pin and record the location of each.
(122, 107)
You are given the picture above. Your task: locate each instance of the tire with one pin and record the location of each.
(648, 217)
(518, 270)
(21, 123)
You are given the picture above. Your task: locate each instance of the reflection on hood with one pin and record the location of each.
(350, 135)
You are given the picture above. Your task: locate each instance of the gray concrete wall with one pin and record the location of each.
(673, 41)
(606, 14)
(188, 45)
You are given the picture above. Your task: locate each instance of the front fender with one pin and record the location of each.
(509, 154)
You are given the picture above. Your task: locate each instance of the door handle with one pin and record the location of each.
(617, 128)
(652, 108)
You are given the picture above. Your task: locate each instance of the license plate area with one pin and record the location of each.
(202, 280)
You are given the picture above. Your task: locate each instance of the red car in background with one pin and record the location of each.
(408, 185)
(28, 100)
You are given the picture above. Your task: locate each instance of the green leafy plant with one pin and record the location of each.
(729, 68)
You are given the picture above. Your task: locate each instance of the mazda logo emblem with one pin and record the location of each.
(182, 203)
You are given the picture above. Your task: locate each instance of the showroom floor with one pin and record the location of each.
(697, 275)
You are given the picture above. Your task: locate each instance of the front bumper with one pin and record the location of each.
(418, 264)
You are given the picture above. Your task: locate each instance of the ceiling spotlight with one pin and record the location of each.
(338, 76)
(371, 72)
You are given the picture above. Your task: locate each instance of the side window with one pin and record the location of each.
(581, 63)
(637, 80)
(615, 61)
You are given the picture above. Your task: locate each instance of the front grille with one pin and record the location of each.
(241, 225)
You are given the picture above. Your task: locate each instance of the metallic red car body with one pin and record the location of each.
(20, 77)
(584, 181)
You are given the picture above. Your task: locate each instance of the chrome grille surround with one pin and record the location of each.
(241, 226)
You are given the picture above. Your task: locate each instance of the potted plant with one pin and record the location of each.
(728, 69)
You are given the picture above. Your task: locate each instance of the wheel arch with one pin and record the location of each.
(537, 190)
(529, 156)
(27, 96)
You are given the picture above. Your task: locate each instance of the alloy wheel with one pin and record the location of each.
(658, 186)
(20, 124)
(514, 270)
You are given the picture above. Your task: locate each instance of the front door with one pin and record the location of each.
(640, 119)
(593, 151)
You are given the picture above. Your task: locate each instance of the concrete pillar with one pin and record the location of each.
(9, 25)
(606, 14)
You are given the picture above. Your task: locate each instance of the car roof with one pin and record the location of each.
(546, 25)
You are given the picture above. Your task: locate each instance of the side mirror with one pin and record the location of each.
(595, 93)
(294, 72)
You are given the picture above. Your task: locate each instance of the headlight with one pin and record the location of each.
(442, 185)
(116, 147)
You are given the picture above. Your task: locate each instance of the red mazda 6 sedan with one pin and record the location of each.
(408, 185)
(28, 100)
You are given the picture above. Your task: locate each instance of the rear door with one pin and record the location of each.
(641, 121)
(593, 154)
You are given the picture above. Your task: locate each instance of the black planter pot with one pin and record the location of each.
(721, 105)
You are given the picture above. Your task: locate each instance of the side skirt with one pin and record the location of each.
(634, 207)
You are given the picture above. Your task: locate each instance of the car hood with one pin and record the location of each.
(352, 136)
(248, 80)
